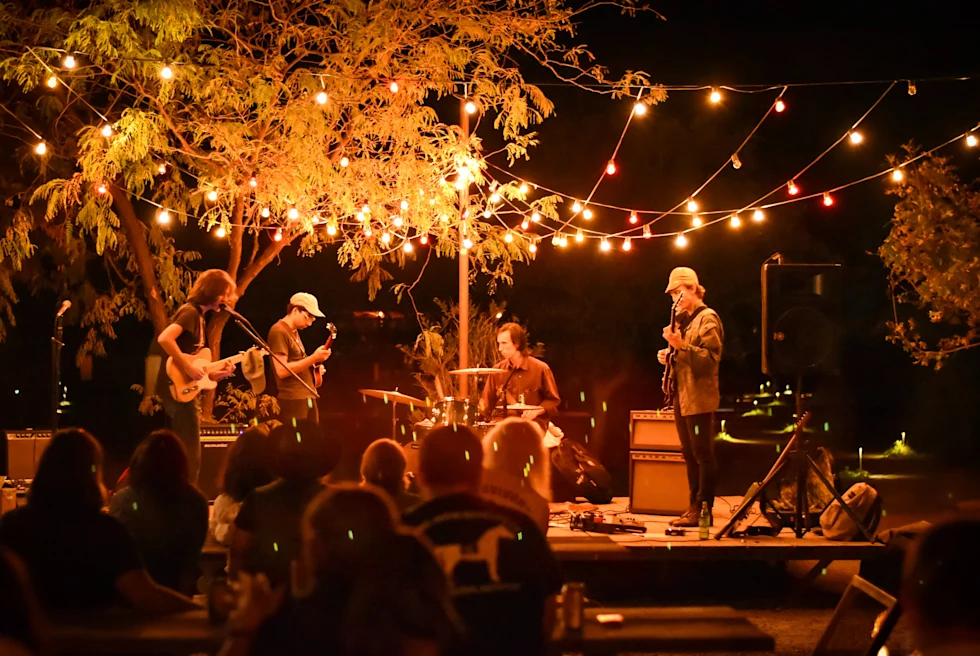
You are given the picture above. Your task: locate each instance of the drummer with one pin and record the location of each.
(527, 381)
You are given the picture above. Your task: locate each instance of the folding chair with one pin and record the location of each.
(879, 634)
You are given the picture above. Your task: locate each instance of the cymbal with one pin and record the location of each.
(524, 406)
(394, 397)
(478, 371)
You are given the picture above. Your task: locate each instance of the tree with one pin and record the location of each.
(303, 124)
(933, 257)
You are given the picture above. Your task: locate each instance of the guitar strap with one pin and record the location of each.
(686, 323)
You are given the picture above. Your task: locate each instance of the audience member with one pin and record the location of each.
(516, 469)
(21, 621)
(166, 515)
(498, 563)
(77, 556)
(245, 470)
(267, 529)
(372, 591)
(383, 465)
(939, 589)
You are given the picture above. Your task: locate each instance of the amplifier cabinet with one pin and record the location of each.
(653, 430)
(23, 452)
(214, 453)
(658, 483)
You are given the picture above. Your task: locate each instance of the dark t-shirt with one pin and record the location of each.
(284, 341)
(272, 514)
(168, 532)
(74, 556)
(190, 317)
(500, 567)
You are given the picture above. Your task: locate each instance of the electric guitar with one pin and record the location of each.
(667, 385)
(184, 389)
(319, 369)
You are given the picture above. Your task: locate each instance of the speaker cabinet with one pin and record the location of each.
(23, 452)
(801, 305)
(653, 430)
(658, 483)
(216, 440)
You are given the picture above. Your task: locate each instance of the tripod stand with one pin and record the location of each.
(796, 455)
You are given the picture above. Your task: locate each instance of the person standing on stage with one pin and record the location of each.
(697, 342)
(295, 400)
(180, 340)
(526, 377)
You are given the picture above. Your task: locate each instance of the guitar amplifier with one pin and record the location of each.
(216, 440)
(658, 483)
(653, 430)
(23, 452)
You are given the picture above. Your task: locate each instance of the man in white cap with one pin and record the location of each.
(695, 348)
(295, 400)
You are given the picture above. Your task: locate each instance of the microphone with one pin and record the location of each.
(227, 309)
(64, 308)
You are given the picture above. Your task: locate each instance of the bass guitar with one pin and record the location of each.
(184, 389)
(319, 369)
(667, 385)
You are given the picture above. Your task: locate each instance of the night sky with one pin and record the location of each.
(600, 314)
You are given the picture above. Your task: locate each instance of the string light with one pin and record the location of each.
(106, 130)
(293, 213)
(220, 232)
(627, 244)
(424, 239)
(533, 247)
(556, 239)
(265, 213)
(563, 242)
(525, 225)
(52, 81)
(580, 236)
(163, 217)
(360, 217)
(780, 106)
(523, 189)
(102, 189)
(332, 230)
(576, 207)
(166, 72)
(535, 217)
(855, 137)
(398, 222)
(41, 148)
(212, 195)
(344, 162)
(322, 98)
(647, 233)
(715, 96)
(681, 241)
(367, 230)
(407, 247)
(161, 169)
(252, 182)
(639, 109)
(587, 214)
(385, 237)
(736, 162)
(692, 205)
(403, 205)
(470, 107)
(611, 168)
(508, 237)
(736, 221)
(365, 208)
(634, 219)
(68, 61)
(278, 235)
(758, 216)
(494, 198)
(897, 175)
(791, 188)
(696, 221)
(467, 243)
(487, 214)
(828, 200)
(604, 244)
(393, 87)
(912, 89)
(971, 140)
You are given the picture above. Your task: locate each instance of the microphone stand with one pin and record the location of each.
(56, 345)
(503, 390)
(251, 332)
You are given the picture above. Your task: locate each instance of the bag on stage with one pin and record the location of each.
(864, 501)
(583, 470)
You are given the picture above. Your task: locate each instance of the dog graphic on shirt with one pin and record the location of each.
(486, 550)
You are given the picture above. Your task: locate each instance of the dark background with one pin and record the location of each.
(600, 314)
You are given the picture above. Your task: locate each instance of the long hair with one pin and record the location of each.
(383, 464)
(69, 474)
(518, 336)
(245, 466)
(209, 286)
(159, 464)
(515, 446)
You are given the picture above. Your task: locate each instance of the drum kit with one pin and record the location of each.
(447, 411)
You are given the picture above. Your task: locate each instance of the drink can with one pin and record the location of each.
(572, 605)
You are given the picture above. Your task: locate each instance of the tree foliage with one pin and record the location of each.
(932, 253)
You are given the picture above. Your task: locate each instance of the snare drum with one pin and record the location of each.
(451, 411)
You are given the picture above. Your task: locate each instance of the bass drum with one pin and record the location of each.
(451, 411)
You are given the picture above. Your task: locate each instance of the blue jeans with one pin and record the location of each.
(185, 421)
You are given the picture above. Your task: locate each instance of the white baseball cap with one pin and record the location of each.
(307, 302)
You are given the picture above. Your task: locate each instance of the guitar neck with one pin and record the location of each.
(234, 359)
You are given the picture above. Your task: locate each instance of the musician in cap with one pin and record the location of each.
(296, 401)
(694, 350)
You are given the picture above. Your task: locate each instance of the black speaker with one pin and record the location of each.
(583, 471)
(801, 307)
(216, 440)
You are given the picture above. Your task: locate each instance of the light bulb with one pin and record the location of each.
(107, 130)
(220, 232)
(524, 189)
(912, 89)
(563, 242)
(467, 243)
(407, 247)
(692, 205)
(556, 239)
(212, 195)
(367, 230)
(639, 109)
(736, 162)
(278, 235)
(604, 244)
(331, 230)
(791, 188)
(855, 137)
(715, 96)
(579, 236)
(533, 248)
(293, 213)
(696, 221)
(41, 148)
(444, 218)
(681, 241)
(265, 212)
(758, 215)
(470, 107)
(404, 205)
(102, 189)
(162, 169)
(494, 198)
(344, 162)
(68, 62)
(487, 214)
(163, 217)
(611, 168)
(393, 87)
(634, 219)
(897, 175)
(736, 221)
(365, 208)
(576, 207)
(166, 73)
(52, 81)
(780, 106)
(424, 239)
(587, 214)
(525, 225)
(627, 244)
(971, 140)
(385, 237)
(508, 237)
(322, 97)
(828, 200)
(535, 217)
(647, 233)
(397, 221)
(252, 182)
(360, 217)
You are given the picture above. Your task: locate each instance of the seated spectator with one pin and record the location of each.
(516, 469)
(383, 464)
(245, 470)
(373, 590)
(939, 589)
(267, 529)
(21, 621)
(166, 515)
(77, 556)
(498, 563)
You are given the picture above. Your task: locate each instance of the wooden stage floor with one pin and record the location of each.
(576, 545)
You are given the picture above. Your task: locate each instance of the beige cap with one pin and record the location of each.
(307, 302)
(681, 276)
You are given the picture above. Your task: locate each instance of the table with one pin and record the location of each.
(130, 632)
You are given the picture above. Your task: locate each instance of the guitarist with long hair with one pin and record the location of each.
(181, 340)
(693, 354)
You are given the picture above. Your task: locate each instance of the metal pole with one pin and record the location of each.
(56, 344)
(464, 267)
